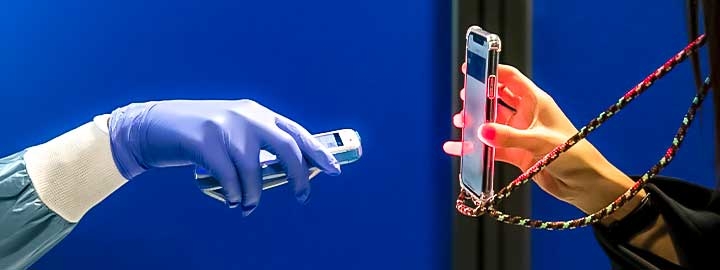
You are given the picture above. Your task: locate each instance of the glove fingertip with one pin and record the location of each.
(335, 171)
(251, 201)
(232, 199)
(232, 204)
(301, 182)
(327, 163)
(304, 196)
(247, 210)
(314, 150)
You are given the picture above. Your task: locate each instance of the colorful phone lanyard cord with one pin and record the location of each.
(490, 205)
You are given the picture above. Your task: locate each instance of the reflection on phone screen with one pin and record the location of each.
(474, 109)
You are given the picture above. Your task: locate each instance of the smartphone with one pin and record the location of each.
(343, 144)
(477, 163)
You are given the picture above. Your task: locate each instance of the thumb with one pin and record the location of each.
(503, 136)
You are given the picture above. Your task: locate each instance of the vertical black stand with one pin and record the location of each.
(485, 243)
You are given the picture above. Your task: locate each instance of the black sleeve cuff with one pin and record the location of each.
(635, 222)
(691, 214)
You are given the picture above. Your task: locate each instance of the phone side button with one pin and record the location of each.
(491, 86)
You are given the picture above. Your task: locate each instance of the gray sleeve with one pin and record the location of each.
(28, 228)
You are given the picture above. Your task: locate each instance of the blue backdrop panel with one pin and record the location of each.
(374, 66)
(587, 55)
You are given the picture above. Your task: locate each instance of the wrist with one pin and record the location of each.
(123, 134)
(602, 185)
(74, 171)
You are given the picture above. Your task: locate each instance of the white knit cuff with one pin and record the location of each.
(75, 171)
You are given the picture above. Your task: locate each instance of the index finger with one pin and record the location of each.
(315, 151)
(519, 84)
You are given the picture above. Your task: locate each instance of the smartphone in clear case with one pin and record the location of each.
(477, 163)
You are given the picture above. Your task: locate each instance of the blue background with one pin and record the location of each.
(375, 66)
(588, 54)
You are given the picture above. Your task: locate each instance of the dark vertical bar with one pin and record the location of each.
(484, 243)
(466, 231)
(442, 59)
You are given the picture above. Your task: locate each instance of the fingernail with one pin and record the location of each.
(486, 133)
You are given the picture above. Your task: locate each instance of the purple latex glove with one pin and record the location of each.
(223, 136)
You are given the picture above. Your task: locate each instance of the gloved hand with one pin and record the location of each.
(225, 137)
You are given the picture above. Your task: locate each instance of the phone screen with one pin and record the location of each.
(330, 140)
(474, 155)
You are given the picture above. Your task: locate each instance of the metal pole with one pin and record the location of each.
(484, 243)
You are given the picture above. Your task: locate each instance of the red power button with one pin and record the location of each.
(491, 87)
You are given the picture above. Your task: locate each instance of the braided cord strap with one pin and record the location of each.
(489, 206)
(620, 201)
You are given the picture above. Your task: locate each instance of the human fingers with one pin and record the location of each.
(245, 156)
(289, 154)
(312, 149)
